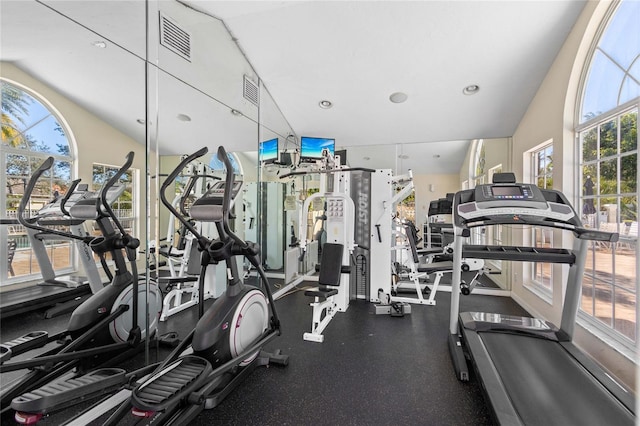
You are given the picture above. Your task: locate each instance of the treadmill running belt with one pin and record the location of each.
(547, 386)
(27, 299)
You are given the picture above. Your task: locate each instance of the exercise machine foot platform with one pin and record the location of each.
(228, 340)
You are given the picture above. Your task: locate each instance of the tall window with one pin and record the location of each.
(608, 174)
(542, 175)
(31, 132)
(478, 177)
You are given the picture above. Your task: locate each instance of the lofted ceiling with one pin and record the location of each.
(352, 53)
(357, 53)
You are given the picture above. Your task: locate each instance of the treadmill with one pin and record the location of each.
(529, 369)
(64, 293)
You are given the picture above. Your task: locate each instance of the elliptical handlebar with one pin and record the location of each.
(193, 179)
(226, 199)
(31, 223)
(105, 189)
(66, 197)
(169, 181)
(46, 165)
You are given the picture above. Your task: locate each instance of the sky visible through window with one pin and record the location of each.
(38, 126)
(614, 76)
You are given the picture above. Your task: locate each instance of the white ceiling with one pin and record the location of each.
(353, 53)
(357, 53)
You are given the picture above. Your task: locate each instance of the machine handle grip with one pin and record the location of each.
(226, 200)
(72, 188)
(596, 235)
(105, 189)
(46, 165)
(167, 203)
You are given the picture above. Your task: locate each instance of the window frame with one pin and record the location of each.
(5, 151)
(589, 320)
(534, 284)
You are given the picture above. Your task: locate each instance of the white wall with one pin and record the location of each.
(442, 184)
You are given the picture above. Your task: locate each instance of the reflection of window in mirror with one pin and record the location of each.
(479, 159)
(32, 131)
(478, 177)
(217, 165)
(541, 174)
(406, 209)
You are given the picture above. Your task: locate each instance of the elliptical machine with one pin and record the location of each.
(227, 341)
(99, 333)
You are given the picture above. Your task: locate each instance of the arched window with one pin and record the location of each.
(478, 160)
(608, 172)
(218, 165)
(31, 132)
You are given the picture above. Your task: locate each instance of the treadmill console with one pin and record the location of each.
(512, 200)
(53, 208)
(488, 196)
(217, 190)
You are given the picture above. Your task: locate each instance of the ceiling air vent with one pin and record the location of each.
(175, 38)
(250, 91)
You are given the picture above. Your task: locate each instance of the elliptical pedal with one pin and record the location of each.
(62, 393)
(175, 382)
(24, 343)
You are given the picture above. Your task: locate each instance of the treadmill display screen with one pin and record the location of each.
(506, 191)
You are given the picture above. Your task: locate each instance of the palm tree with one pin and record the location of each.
(14, 105)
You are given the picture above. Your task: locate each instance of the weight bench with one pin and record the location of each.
(324, 305)
(419, 270)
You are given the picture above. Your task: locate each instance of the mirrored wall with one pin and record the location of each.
(158, 79)
(162, 79)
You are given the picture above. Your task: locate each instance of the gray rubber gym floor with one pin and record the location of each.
(370, 370)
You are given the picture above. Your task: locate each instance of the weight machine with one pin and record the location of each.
(334, 291)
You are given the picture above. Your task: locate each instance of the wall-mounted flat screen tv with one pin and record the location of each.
(268, 151)
(311, 148)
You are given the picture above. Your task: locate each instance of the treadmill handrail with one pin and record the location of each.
(566, 218)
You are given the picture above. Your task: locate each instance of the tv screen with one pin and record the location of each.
(311, 148)
(268, 151)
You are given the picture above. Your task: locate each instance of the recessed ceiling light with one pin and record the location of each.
(398, 97)
(471, 89)
(140, 121)
(183, 117)
(325, 104)
(100, 44)
(236, 112)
